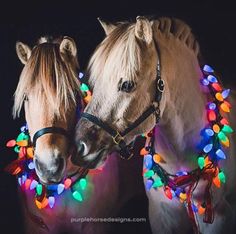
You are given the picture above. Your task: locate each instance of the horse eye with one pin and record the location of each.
(127, 86)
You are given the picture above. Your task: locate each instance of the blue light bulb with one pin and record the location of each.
(33, 184)
(60, 188)
(212, 106)
(212, 79)
(149, 184)
(208, 148)
(51, 201)
(225, 93)
(31, 165)
(220, 154)
(209, 132)
(148, 162)
(205, 82)
(208, 69)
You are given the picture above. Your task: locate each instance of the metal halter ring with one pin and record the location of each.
(117, 138)
(160, 85)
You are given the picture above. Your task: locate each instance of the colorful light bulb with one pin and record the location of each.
(212, 106)
(216, 181)
(220, 154)
(60, 188)
(208, 69)
(148, 184)
(51, 201)
(227, 129)
(148, 161)
(201, 162)
(205, 82)
(168, 192)
(224, 107)
(209, 132)
(208, 148)
(31, 165)
(33, 184)
(211, 115)
(39, 189)
(148, 173)
(212, 79)
(222, 136)
(157, 158)
(81, 75)
(67, 183)
(27, 184)
(225, 93)
(216, 87)
(221, 177)
(143, 151)
(77, 196)
(219, 97)
(83, 183)
(157, 183)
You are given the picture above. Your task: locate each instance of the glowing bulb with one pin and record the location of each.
(83, 183)
(27, 184)
(205, 82)
(148, 161)
(22, 143)
(19, 181)
(157, 183)
(227, 129)
(60, 188)
(30, 152)
(226, 142)
(168, 193)
(33, 184)
(17, 149)
(208, 148)
(77, 196)
(219, 97)
(208, 69)
(216, 87)
(201, 162)
(148, 184)
(222, 136)
(183, 196)
(81, 75)
(195, 209)
(84, 87)
(212, 79)
(225, 93)
(39, 189)
(51, 201)
(211, 115)
(209, 132)
(22, 136)
(224, 107)
(216, 181)
(216, 128)
(143, 151)
(201, 209)
(224, 121)
(212, 106)
(67, 183)
(157, 158)
(148, 173)
(31, 165)
(221, 177)
(220, 154)
(11, 143)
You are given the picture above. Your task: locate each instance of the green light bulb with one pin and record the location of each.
(148, 173)
(22, 136)
(157, 183)
(84, 87)
(227, 129)
(201, 162)
(77, 196)
(39, 189)
(222, 136)
(221, 177)
(83, 183)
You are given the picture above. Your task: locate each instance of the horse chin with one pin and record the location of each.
(93, 161)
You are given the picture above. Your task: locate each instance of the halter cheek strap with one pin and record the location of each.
(47, 130)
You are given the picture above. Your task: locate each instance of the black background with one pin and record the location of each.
(212, 22)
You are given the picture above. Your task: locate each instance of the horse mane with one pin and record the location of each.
(179, 29)
(121, 43)
(118, 50)
(51, 77)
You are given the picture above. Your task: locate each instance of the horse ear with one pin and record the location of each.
(68, 47)
(143, 29)
(23, 52)
(108, 27)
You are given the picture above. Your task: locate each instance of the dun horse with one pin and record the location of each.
(123, 72)
(49, 91)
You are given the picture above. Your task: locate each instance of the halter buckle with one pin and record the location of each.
(117, 138)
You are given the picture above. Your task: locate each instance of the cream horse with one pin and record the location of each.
(123, 72)
(49, 91)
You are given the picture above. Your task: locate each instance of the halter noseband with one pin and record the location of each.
(47, 130)
(126, 151)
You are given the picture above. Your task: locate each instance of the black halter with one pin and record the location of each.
(126, 151)
(47, 130)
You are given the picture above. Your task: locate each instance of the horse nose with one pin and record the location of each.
(82, 150)
(52, 172)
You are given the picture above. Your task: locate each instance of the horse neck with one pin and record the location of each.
(184, 103)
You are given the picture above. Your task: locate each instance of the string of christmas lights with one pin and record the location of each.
(23, 167)
(214, 140)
